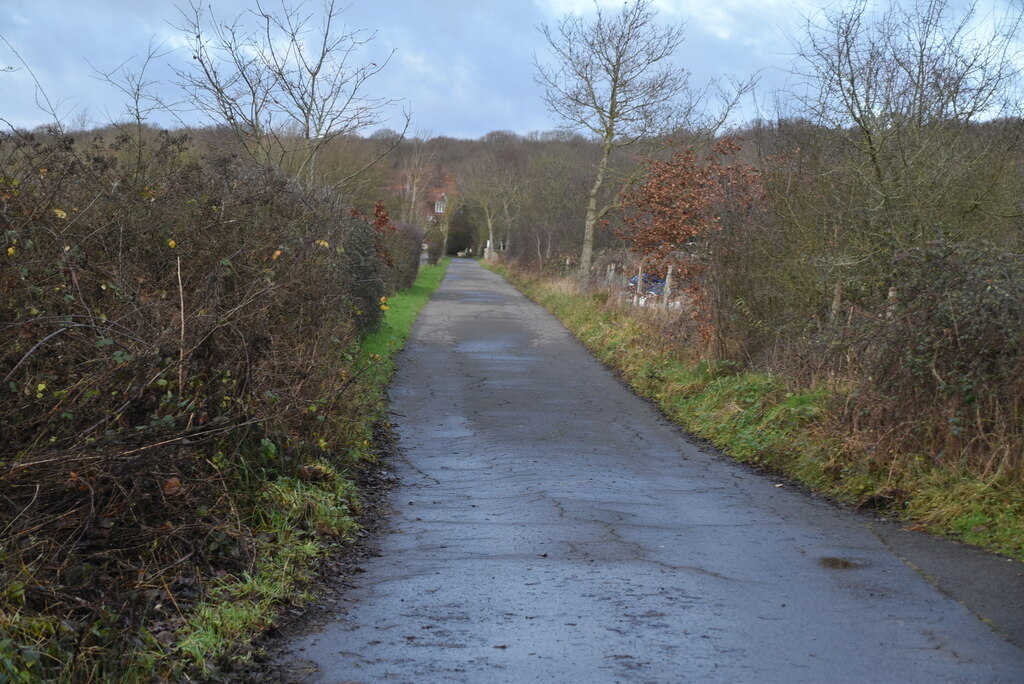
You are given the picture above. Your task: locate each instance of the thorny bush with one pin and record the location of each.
(943, 365)
(169, 325)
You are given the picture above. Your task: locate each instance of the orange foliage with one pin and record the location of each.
(680, 206)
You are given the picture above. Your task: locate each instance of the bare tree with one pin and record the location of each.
(449, 208)
(555, 171)
(911, 64)
(511, 200)
(492, 182)
(613, 78)
(899, 92)
(284, 84)
(908, 81)
(49, 107)
(506, 149)
(479, 186)
(415, 172)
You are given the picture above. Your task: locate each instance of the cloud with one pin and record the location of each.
(420, 65)
(744, 21)
(464, 67)
(558, 8)
(17, 19)
(748, 22)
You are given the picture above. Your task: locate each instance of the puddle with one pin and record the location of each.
(502, 354)
(453, 427)
(480, 296)
(484, 346)
(836, 563)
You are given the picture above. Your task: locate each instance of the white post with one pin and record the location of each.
(639, 284)
(667, 292)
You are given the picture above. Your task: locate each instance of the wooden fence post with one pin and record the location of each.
(667, 292)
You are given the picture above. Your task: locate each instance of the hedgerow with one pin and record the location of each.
(178, 346)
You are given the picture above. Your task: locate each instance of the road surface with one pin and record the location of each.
(552, 527)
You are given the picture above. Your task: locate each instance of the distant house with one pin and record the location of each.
(424, 205)
(440, 197)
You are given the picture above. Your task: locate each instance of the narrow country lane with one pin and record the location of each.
(552, 527)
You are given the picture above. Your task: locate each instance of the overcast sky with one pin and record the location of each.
(464, 67)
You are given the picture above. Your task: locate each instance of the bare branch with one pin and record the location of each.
(284, 81)
(614, 79)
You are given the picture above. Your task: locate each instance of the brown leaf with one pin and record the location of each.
(172, 486)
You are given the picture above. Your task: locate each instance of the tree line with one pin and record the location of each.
(867, 235)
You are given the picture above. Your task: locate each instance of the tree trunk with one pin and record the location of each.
(837, 302)
(508, 227)
(587, 255)
(489, 250)
(444, 243)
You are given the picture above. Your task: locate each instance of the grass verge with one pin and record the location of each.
(403, 308)
(302, 518)
(763, 420)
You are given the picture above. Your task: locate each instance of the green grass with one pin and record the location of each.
(765, 420)
(403, 308)
(298, 519)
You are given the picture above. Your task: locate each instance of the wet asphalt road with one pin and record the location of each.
(551, 527)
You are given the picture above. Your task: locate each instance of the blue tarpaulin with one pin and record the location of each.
(652, 284)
